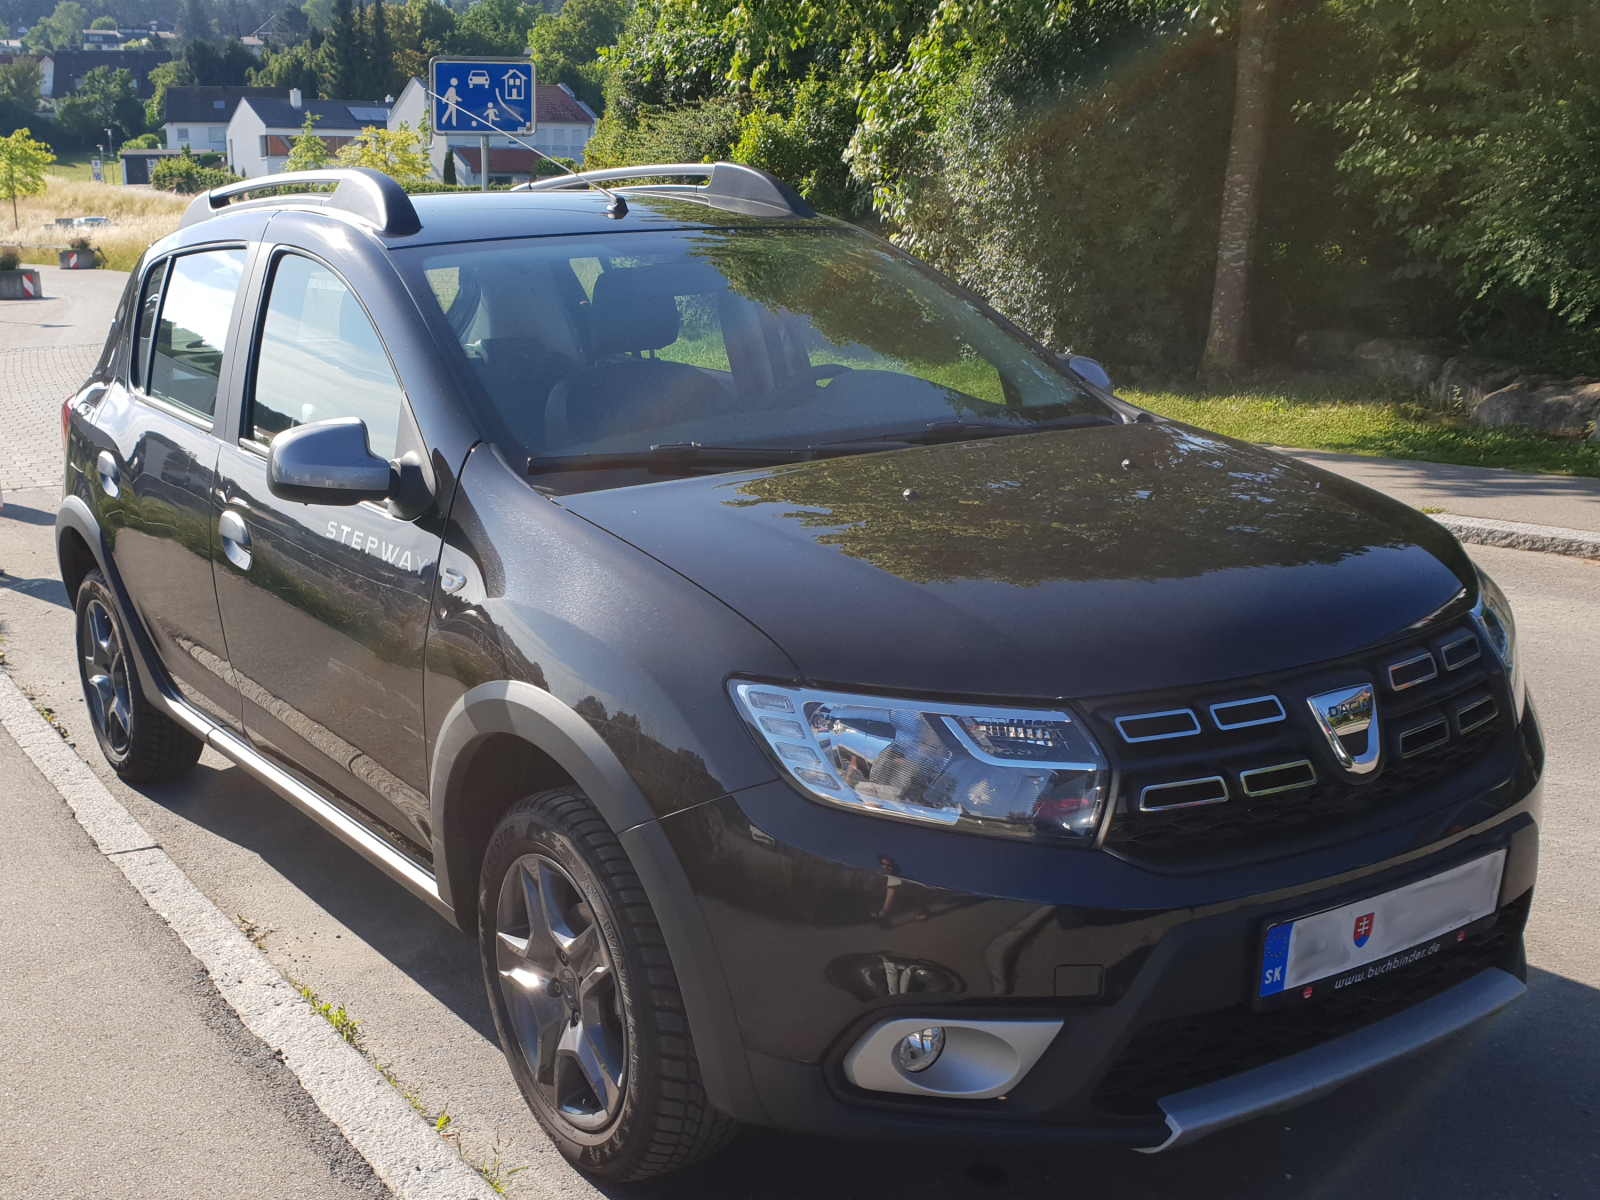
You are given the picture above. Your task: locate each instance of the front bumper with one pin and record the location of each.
(826, 923)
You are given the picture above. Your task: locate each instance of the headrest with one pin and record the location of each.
(636, 308)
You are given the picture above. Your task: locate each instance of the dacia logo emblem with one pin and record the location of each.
(1347, 713)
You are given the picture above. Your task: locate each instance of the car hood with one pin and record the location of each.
(1077, 563)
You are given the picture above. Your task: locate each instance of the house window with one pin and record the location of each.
(219, 104)
(219, 134)
(263, 145)
(183, 133)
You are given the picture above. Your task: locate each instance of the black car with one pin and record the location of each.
(828, 709)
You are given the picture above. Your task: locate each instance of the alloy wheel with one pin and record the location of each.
(105, 673)
(561, 990)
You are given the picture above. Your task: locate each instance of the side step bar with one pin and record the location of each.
(1303, 1077)
(414, 877)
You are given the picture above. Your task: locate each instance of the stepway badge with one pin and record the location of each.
(482, 95)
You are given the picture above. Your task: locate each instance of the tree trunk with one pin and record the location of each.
(1229, 336)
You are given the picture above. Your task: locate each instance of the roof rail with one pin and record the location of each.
(368, 194)
(729, 186)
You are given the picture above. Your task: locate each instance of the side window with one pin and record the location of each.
(321, 358)
(192, 334)
(149, 303)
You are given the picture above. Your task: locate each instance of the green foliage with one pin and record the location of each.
(184, 174)
(22, 164)
(566, 45)
(145, 141)
(398, 153)
(208, 64)
(61, 30)
(1478, 136)
(194, 19)
(19, 93)
(104, 100)
(103, 23)
(420, 29)
(494, 27)
(302, 66)
(308, 152)
(450, 170)
(10, 259)
(703, 131)
(803, 142)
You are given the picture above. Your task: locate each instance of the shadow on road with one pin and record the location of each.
(22, 514)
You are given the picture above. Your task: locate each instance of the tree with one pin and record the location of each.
(1227, 343)
(19, 93)
(396, 152)
(303, 66)
(566, 45)
(380, 53)
(22, 164)
(308, 152)
(61, 30)
(494, 27)
(420, 29)
(220, 64)
(104, 100)
(195, 21)
(103, 23)
(346, 54)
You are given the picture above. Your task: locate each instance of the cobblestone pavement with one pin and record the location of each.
(33, 383)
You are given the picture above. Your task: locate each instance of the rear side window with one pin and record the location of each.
(145, 328)
(192, 333)
(321, 358)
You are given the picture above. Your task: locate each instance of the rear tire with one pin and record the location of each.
(585, 998)
(141, 742)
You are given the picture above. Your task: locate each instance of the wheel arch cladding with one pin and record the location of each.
(78, 548)
(513, 734)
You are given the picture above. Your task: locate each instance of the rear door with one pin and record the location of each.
(326, 608)
(154, 480)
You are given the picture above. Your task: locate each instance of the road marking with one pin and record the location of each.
(402, 1148)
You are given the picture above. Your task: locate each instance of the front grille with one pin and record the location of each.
(1250, 783)
(1168, 1057)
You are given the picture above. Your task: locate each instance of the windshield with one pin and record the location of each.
(688, 344)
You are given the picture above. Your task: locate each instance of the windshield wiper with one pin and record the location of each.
(955, 431)
(680, 458)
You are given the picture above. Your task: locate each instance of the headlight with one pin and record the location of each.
(1009, 771)
(1493, 612)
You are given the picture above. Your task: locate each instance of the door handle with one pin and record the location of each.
(106, 467)
(235, 539)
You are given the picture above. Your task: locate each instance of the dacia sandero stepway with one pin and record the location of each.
(827, 708)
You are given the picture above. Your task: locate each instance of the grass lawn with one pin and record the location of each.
(1357, 417)
(74, 165)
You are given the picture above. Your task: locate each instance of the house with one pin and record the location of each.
(102, 39)
(64, 69)
(198, 117)
(563, 125)
(262, 128)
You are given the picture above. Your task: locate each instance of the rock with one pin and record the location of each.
(1466, 380)
(1418, 363)
(1328, 349)
(1543, 402)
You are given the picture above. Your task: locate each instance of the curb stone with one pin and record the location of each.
(402, 1149)
(1485, 531)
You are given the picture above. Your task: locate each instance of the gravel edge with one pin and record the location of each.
(403, 1150)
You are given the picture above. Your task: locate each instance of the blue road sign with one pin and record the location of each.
(482, 95)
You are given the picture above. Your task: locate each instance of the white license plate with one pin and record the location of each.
(1395, 925)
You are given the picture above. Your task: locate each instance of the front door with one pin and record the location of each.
(326, 608)
(156, 479)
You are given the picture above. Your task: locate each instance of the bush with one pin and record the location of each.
(186, 175)
(9, 258)
(145, 141)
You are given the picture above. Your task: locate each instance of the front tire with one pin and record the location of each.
(585, 998)
(141, 743)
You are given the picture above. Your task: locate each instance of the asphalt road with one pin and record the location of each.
(1510, 1109)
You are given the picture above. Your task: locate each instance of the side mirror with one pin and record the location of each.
(326, 462)
(1089, 369)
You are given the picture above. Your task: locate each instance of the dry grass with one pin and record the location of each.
(140, 216)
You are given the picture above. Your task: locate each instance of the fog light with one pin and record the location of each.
(920, 1049)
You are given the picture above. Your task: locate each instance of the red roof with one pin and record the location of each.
(558, 108)
(503, 160)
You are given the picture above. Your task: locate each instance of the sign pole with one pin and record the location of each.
(483, 145)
